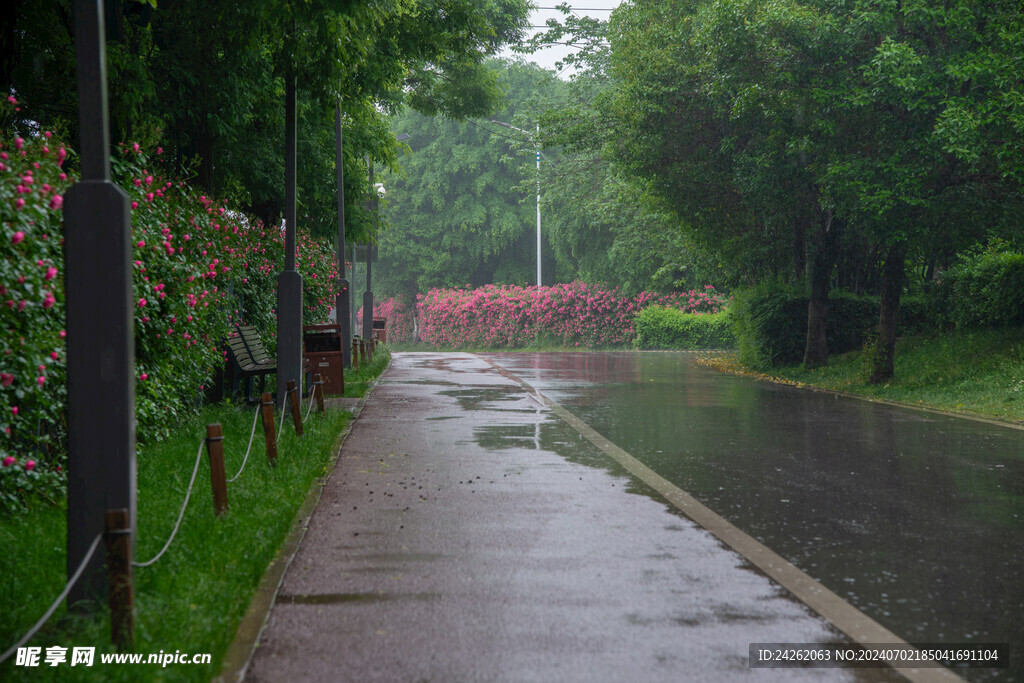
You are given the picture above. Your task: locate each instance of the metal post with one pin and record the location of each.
(100, 344)
(368, 294)
(536, 143)
(342, 302)
(289, 282)
(352, 298)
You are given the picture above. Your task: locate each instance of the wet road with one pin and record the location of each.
(468, 534)
(915, 518)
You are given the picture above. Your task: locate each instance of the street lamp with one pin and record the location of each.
(536, 145)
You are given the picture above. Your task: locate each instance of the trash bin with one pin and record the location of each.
(322, 346)
(380, 329)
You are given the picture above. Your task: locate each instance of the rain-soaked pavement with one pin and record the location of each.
(470, 534)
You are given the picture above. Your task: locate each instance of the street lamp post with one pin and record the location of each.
(536, 145)
(342, 302)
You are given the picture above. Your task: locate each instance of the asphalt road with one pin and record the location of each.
(456, 541)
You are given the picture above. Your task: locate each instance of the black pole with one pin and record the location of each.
(342, 301)
(368, 293)
(289, 282)
(100, 341)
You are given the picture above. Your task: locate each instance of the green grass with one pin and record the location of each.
(977, 371)
(358, 383)
(193, 598)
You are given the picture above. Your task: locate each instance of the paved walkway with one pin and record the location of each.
(453, 543)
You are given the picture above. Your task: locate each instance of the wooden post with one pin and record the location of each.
(318, 391)
(355, 355)
(119, 578)
(215, 449)
(293, 399)
(269, 433)
(362, 351)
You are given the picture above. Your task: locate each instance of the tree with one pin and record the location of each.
(612, 228)
(859, 123)
(205, 78)
(456, 213)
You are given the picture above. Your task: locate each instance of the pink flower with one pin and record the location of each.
(19, 203)
(8, 461)
(30, 465)
(18, 236)
(14, 411)
(49, 301)
(142, 302)
(143, 377)
(19, 143)
(51, 273)
(6, 378)
(41, 380)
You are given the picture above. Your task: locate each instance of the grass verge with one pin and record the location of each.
(978, 372)
(193, 598)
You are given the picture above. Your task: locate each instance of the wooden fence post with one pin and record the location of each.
(293, 399)
(269, 433)
(119, 578)
(215, 449)
(318, 391)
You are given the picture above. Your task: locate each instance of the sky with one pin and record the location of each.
(599, 9)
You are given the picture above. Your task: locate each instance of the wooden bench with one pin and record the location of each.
(250, 359)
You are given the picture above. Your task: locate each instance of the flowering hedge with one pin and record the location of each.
(197, 269)
(572, 315)
(398, 316)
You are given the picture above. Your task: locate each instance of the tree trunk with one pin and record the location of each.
(883, 358)
(816, 350)
(799, 247)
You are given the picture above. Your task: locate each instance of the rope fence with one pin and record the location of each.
(255, 419)
(56, 603)
(317, 383)
(181, 515)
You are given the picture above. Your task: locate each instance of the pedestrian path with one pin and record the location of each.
(468, 533)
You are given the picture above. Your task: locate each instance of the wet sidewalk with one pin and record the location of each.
(457, 540)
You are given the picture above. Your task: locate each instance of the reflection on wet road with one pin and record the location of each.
(915, 518)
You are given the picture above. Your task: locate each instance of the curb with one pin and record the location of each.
(239, 653)
(761, 377)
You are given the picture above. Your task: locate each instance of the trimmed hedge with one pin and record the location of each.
(985, 288)
(658, 327)
(770, 323)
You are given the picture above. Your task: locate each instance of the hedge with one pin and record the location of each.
(658, 327)
(770, 323)
(985, 288)
(570, 315)
(198, 267)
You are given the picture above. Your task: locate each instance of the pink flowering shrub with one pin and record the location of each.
(574, 315)
(398, 316)
(198, 267)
